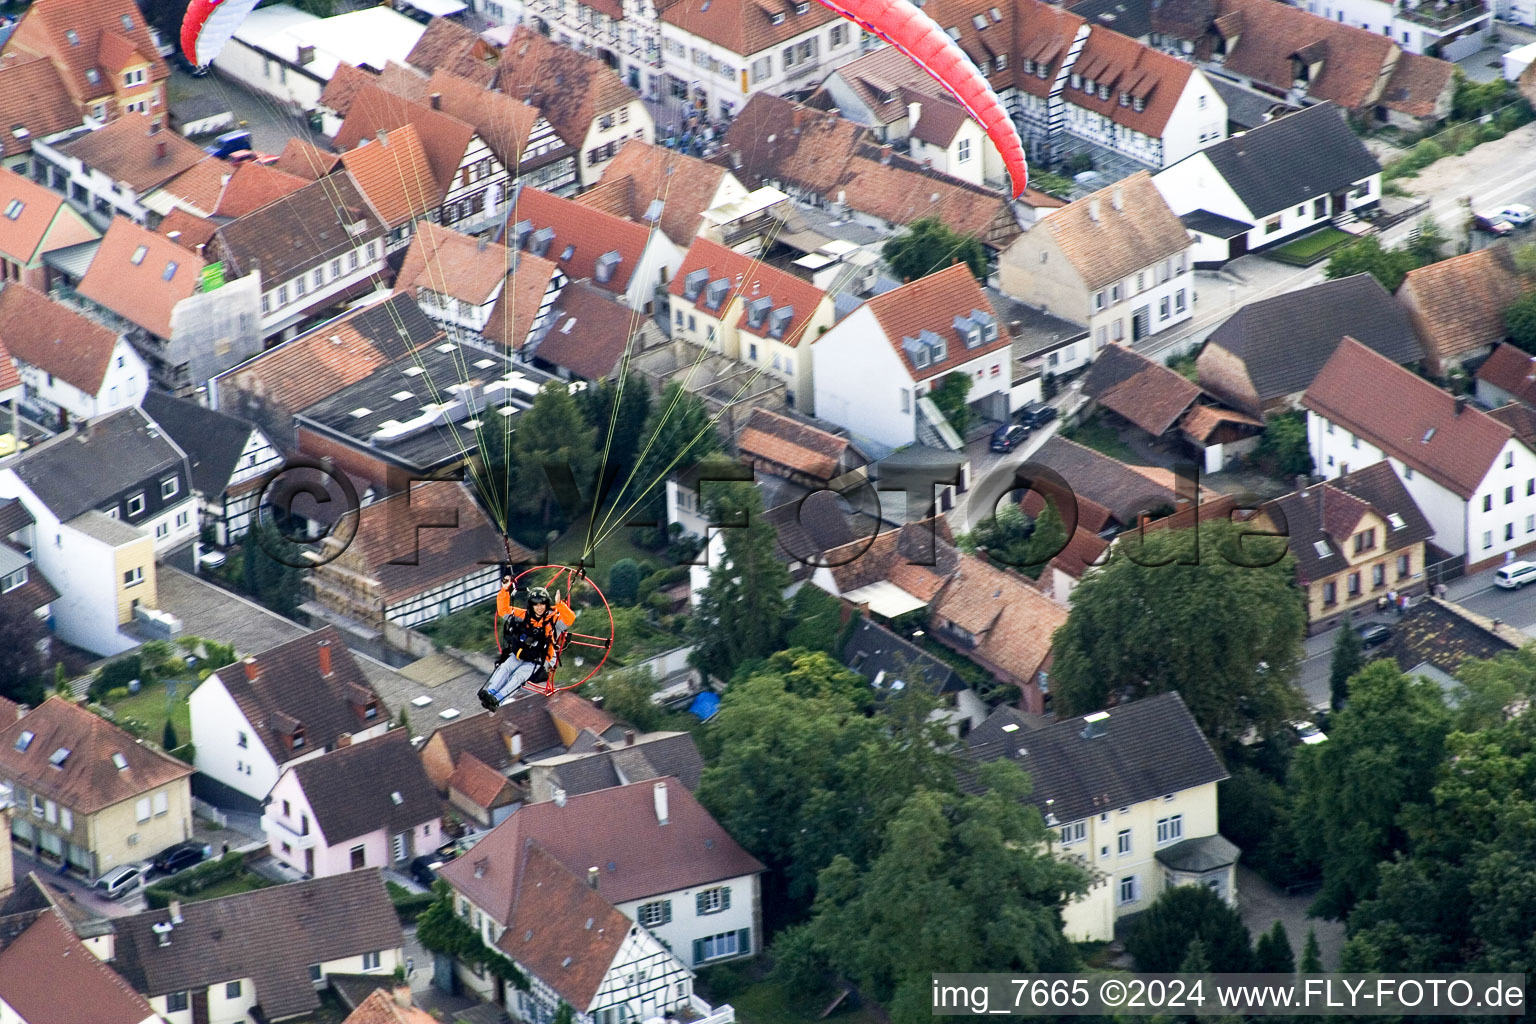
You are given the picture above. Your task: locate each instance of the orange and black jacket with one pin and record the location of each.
(532, 639)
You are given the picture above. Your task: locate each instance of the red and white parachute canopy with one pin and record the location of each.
(208, 25)
(903, 25)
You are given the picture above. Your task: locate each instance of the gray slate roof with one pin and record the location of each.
(1206, 853)
(78, 472)
(1128, 17)
(270, 935)
(872, 650)
(1285, 341)
(1214, 224)
(352, 790)
(1149, 748)
(212, 440)
(1245, 108)
(1318, 514)
(1292, 159)
(653, 757)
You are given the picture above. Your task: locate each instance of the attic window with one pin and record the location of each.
(170, 271)
(541, 241)
(120, 762)
(24, 740)
(1427, 435)
(520, 233)
(93, 76)
(13, 209)
(778, 19)
(413, 371)
(1138, 104)
(59, 757)
(757, 311)
(72, 36)
(1125, 98)
(607, 263)
(138, 255)
(802, 8)
(568, 252)
(694, 283)
(1396, 521)
(778, 321)
(397, 798)
(567, 961)
(1011, 727)
(716, 293)
(653, 212)
(128, 23)
(980, 21)
(361, 411)
(997, 15)
(1321, 547)
(402, 396)
(484, 364)
(954, 33)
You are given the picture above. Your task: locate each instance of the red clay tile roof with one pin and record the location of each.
(615, 829)
(775, 139)
(300, 230)
(395, 175)
(939, 119)
(687, 186)
(517, 307)
(1012, 621)
(1396, 410)
(147, 291)
(1141, 232)
(1513, 370)
(589, 234)
(900, 194)
(455, 264)
(799, 446)
(1417, 83)
(199, 187)
(881, 77)
(21, 238)
(1271, 33)
(33, 97)
(1028, 30)
(54, 338)
(404, 80)
(932, 303)
(45, 29)
(190, 229)
(387, 533)
(1147, 393)
(47, 974)
(116, 51)
(927, 545)
(580, 714)
(127, 150)
(504, 122)
(445, 44)
(1129, 67)
(546, 928)
(254, 185)
(745, 27)
(306, 160)
(590, 332)
(1521, 419)
(1200, 421)
(380, 1006)
(751, 280)
(346, 82)
(1082, 553)
(1457, 305)
(571, 89)
(483, 785)
(89, 779)
(445, 138)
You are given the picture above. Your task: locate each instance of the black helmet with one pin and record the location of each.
(537, 595)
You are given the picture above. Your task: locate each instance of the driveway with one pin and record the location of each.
(1261, 905)
(76, 891)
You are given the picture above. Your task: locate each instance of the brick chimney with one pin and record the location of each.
(251, 672)
(629, 737)
(592, 876)
(325, 658)
(160, 150)
(437, 101)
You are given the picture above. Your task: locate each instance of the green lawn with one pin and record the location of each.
(1096, 434)
(615, 546)
(1309, 249)
(229, 887)
(149, 706)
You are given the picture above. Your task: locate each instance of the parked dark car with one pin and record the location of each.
(1008, 437)
(1493, 224)
(229, 144)
(424, 868)
(1036, 414)
(1373, 634)
(179, 858)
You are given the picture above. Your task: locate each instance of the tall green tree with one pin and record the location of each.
(22, 662)
(950, 397)
(1311, 955)
(1427, 242)
(1225, 636)
(741, 613)
(1182, 914)
(1348, 659)
(1285, 442)
(276, 584)
(962, 883)
(1366, 256)
(799, 773)
(1272, 953)
(1046, 540)
(1382, 755)
(551, 432)
(628, 428)
(677, 435)
(929, 245)
(1520, 320)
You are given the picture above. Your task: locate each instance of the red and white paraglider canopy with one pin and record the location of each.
(207, 26)
(903, 25)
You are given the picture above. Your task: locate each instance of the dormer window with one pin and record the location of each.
(757, 311)
(1103, 92)
(1077, 80)
(1029, 67)
(694, 283)
(607, 263)
(542, 239)
(778, 321)
(1125, 98)
(778, 19)
(298, 738)
(1088, 85)
(93, 76)
(73, 37)
(968, 330)
(715, 296)
(1138, 104)
(13, 209)
(802, 8)
(1365, 540)
(980, 21)
(520, 233)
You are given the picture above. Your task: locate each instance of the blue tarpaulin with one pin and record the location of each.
(705, 705)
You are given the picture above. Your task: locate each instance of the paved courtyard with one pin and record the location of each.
(1261, 905)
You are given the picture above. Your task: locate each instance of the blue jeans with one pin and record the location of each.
(510, 675)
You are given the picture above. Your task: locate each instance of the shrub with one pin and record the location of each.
(624, 581)
(116, 693)
(118, 674)
(408, 905)
(195, 880)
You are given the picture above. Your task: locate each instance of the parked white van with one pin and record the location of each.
(1515, 575)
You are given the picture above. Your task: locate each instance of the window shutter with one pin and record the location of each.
(744, 941)
(666, 912)
(698, 903)
(725, 897)
(698, 951)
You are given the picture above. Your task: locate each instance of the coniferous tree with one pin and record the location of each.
(1347, 660)
(1272, 953)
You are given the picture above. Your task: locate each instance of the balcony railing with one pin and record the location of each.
(1443, 16)
(271, 823)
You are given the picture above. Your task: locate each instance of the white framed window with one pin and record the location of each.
(13, 581)
(182, 518)
(38, 804)
(66, 819)
(371, 961)
(1075, 832)
(136, 504)
(906, 400)
(169, 486)
(1170, 829)
(175, 1002)
(715, 946)
(1123, 842)
(141, 810)
(133, 577)
(713, 901)
(162, 531)
(964, 152)
(162, 803)
(655, 913)
(1130, 891)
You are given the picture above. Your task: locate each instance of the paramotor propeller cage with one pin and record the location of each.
(568, 579)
